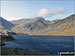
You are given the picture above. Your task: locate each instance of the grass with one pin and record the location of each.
(14, 51)
(68, 32)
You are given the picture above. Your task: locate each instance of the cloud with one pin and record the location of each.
(42, 12)
(50, 12)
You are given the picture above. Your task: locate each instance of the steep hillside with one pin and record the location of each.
(64, 27)
(4, 24)
(40, 26)
(17, 22)
(31, 26)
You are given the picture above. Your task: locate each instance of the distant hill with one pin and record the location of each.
(4, 24)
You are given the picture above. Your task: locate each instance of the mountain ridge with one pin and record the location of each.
(62, 27)
(4, 24)
(40, 26)
(32, 25)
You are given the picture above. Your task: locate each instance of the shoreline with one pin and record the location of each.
(40, 35)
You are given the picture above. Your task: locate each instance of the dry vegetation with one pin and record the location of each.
(69, 32)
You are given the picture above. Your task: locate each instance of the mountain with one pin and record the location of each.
(40, 26)
(31, 25)
(4, 24)
(17, 22)
(64, 27)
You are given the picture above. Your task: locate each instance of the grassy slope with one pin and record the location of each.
(68, 32)
(67, 25)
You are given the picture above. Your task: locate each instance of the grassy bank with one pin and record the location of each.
(14, 51)
(7, 38)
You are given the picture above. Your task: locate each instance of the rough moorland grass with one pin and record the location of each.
(13, 51)
(68, 32)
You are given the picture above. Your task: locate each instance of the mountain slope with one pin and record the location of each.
(40, 26)
(64, 27)
(31, 26)
(4, 24)
(17, 22)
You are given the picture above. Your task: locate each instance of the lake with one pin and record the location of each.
(45, 44)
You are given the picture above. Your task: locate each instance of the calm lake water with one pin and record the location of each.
(46, 44)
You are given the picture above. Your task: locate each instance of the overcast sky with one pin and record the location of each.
(50, 10)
